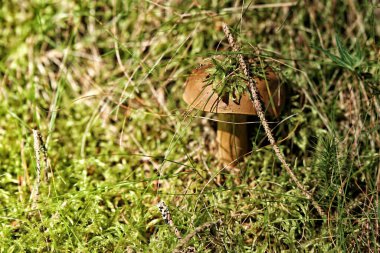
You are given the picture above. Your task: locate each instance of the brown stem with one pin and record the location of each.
(232, 138)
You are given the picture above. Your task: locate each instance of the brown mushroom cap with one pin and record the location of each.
(201, 96)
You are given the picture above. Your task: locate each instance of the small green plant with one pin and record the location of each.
(353, 62)
(226, 79)
(331, 171)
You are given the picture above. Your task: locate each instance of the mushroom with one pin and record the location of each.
(232, 115)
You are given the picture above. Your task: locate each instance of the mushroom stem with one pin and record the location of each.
(232, 138)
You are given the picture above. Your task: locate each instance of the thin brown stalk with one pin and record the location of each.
(168, 218)
(257, 104)
(37, 146)
(183, 242)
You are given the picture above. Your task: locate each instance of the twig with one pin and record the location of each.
(37, 146)
(238, 9)
(257, 104)
(183, 242)
(45, 157)
(168, 218)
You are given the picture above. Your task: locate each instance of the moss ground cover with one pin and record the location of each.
(102, 82)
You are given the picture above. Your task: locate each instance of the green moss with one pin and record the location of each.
(103, 83)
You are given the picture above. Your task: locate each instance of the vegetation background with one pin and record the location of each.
(102, 81)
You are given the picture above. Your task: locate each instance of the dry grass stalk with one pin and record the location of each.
(257, 104)
(39, 146)
(168, 218)
(183, 242)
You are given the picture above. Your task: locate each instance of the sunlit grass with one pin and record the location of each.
(103, 81)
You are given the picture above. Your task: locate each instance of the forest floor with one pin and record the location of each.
(92, 116)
